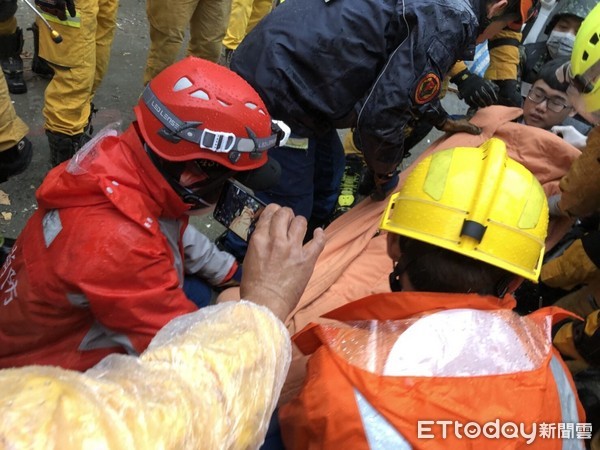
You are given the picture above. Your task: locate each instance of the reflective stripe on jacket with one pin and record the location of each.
(396, 359)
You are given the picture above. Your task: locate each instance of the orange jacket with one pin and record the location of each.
(355, 397)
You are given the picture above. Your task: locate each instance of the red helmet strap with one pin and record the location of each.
(217, 141)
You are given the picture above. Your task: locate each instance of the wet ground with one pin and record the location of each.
(114, 100)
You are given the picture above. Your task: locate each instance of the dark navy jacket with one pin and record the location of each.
(370, 64)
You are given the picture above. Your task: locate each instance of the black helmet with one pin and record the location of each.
(574, 8)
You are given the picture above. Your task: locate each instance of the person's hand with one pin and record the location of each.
(458, 125)
(509, 93)
(57, 8)
(475, 90)
(570, 134)
(277, 266)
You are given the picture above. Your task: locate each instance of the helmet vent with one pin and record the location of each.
(222, 103)
(254, 106)
(182, 83)
(594, 39)
(202, 95)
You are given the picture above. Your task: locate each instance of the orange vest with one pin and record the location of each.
(349, 400)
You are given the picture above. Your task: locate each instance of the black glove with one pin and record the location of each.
(509, 94)
(476, 91)
(458, 125)
(57, 8)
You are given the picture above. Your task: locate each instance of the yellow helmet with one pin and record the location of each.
(477, 202)
(585, 60)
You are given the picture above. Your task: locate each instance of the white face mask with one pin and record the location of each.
(560, 44)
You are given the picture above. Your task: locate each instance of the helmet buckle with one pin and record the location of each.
(217, 141)
(473, 229)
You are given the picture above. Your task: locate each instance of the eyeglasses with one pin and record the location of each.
(554, 104)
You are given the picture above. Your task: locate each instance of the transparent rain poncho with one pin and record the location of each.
(208, 380)
(456, 342)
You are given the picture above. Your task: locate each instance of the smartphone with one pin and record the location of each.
(237, 209)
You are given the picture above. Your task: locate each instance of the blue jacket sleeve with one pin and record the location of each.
(407, 89)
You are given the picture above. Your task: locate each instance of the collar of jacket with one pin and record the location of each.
(118, 172)
(399, 305)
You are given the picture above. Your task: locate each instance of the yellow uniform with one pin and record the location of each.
(80, 63)
(207, 20)
(245, 14)
(12, 128)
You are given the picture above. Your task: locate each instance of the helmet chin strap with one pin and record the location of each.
(187, 195)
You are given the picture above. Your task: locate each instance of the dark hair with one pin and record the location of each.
(548, 74)
(435, 269)
(512, 10)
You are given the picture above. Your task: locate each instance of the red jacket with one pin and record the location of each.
(392, 362)
(93, 271)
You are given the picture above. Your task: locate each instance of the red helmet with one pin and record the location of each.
(199, 110)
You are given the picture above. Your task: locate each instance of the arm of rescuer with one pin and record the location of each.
(580, 263)
(579, 340)
(500, 83)
(408, 87)
(580, 189)
(579, 197)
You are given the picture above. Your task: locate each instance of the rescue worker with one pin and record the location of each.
(245, 14)
(11, 45)
(79, 62)
(499, 85)
(444, 345)
(102, 264)
(370, 65)
(207, 21)
(580, 194)
(578, 267)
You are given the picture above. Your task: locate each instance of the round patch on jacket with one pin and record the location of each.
(428, 88)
